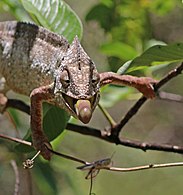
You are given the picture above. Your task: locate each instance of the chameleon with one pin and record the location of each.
(43, 65)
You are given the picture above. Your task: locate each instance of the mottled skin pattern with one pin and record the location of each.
(41, 64)
(27, 68)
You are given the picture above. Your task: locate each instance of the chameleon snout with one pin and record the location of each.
(83, 110)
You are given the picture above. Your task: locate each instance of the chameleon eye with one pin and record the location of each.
(64, 79)
(95, 80)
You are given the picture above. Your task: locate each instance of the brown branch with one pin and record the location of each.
(169, 76)
(114, 136)
(19, 105)
(93, 168)
(84, 130)
(134, 109)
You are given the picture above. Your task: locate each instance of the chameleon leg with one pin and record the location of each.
(143, 84)
(39, 139)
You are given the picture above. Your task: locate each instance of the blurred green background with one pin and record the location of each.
(114, 32)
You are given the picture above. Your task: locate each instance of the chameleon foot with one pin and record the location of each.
(42, 144)
(145, 86)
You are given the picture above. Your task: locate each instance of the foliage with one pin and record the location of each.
(127, 26)
(60, 18)
(128, 32)
(56, 16)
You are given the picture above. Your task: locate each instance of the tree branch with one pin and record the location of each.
(114, 136)
(134, 109)
(144, 167)
(84, 130)
(19, 105)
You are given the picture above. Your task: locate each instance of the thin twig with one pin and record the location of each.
(17, 177)
(172, 74)
(132, 111)
(107, 116)
(16, 140)
(162, 95)
(54, 152)
(139, 168)
(93, 166)
(67, 156)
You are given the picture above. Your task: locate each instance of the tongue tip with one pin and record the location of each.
(85, 119)
(85, 115)
(83, 110)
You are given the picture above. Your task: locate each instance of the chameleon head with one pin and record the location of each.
(78, 82)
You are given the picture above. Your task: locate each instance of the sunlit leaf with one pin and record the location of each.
(162, 8)
(118, 49)
(157, 55)
(56, 16)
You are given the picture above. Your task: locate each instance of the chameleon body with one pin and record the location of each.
(43, 65)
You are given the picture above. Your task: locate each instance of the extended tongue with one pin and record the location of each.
(83, 110)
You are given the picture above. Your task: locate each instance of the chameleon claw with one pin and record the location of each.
(83, 110)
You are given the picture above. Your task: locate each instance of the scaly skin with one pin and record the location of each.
(41, 64)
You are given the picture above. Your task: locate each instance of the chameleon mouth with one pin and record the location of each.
(82, 108)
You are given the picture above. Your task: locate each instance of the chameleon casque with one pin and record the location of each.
(43, 65)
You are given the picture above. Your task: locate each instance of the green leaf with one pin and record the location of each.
(161, 8)
(14, 116)
(54, 123)
(120, 50)
(157, 55)
(124, 68)
(56, 16)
